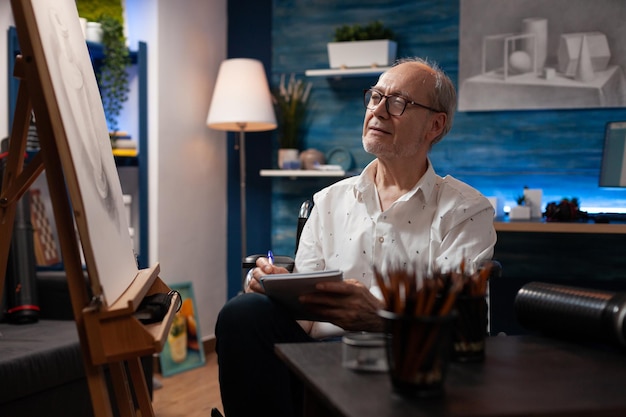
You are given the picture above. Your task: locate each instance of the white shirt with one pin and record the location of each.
(434, 225)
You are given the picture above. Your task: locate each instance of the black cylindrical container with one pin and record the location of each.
(20, 286)
(571, 312)
(20, 292)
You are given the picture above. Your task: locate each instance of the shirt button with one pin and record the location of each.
(381, 239)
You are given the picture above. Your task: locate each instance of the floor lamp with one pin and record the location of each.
(241, 103)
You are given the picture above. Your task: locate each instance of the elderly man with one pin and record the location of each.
(397, 209)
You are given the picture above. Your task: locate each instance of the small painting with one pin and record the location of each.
(183, 349)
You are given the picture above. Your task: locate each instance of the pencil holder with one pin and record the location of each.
(470, 329)
(418, 352)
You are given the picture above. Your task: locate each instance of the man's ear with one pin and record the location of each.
(437, 124)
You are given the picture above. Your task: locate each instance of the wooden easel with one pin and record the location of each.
(109, 334)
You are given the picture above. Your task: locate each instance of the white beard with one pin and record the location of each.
(391, 149)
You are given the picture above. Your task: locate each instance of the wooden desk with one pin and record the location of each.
(522, 376)
(587, 255)
(540, 226)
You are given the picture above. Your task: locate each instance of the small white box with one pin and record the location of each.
(532, 198)
(519, 213)
(549, 73)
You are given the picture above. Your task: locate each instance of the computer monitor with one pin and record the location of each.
(613, 168)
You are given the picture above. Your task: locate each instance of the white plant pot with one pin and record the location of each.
(93, 32)
(288, 158)
(519, 213)
(532, 198)
(380, 53)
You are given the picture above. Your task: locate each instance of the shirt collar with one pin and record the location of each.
(426, 184)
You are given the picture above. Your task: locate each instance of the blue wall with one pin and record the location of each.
(497, 152)
(249, 36)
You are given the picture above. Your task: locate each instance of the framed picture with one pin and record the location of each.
(538, 54)
(183, 349)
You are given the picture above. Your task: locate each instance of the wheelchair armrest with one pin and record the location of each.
(279, 260)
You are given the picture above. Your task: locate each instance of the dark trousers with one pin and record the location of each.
(253, 380)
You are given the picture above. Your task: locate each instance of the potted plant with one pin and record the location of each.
(532, 198)
(521, 211)
(372, 45)
(111, 74)
(567, 210)
(291, 101)
(111, 69)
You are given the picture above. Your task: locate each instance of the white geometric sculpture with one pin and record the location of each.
(504, 46)
(570, 47)
(584, 71)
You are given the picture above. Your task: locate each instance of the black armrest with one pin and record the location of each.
(249, 262)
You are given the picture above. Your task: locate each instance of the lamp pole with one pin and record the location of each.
(242, 186)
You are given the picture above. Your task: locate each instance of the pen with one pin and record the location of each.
(270, 257)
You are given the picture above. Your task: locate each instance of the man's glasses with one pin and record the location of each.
(394, 104)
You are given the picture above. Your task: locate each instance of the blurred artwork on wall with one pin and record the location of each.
(541, 54)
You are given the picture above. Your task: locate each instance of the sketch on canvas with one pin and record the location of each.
(541, 54)
(81, 133)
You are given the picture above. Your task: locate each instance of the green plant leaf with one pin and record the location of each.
(93, 10)
(372, 31)
(291, 102)
(112, 76)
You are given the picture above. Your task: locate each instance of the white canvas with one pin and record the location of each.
(81, 134)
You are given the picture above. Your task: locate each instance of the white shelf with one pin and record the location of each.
(348, 72)
(300, 173)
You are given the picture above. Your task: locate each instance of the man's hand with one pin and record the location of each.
(263, 267)
(347, 304)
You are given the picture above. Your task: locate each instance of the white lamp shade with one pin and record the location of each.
(242, 98)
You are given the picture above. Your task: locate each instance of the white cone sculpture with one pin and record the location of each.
(584, 71)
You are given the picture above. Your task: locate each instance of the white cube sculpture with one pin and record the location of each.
(569, 51)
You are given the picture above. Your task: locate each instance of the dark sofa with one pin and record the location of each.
(41, 366)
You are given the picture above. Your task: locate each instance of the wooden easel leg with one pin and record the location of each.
(142, 394)
(16, 180)
(123, 394)
(12, 175)
(17, 185)
(98, 391)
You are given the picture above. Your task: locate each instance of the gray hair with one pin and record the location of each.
(443, 96)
